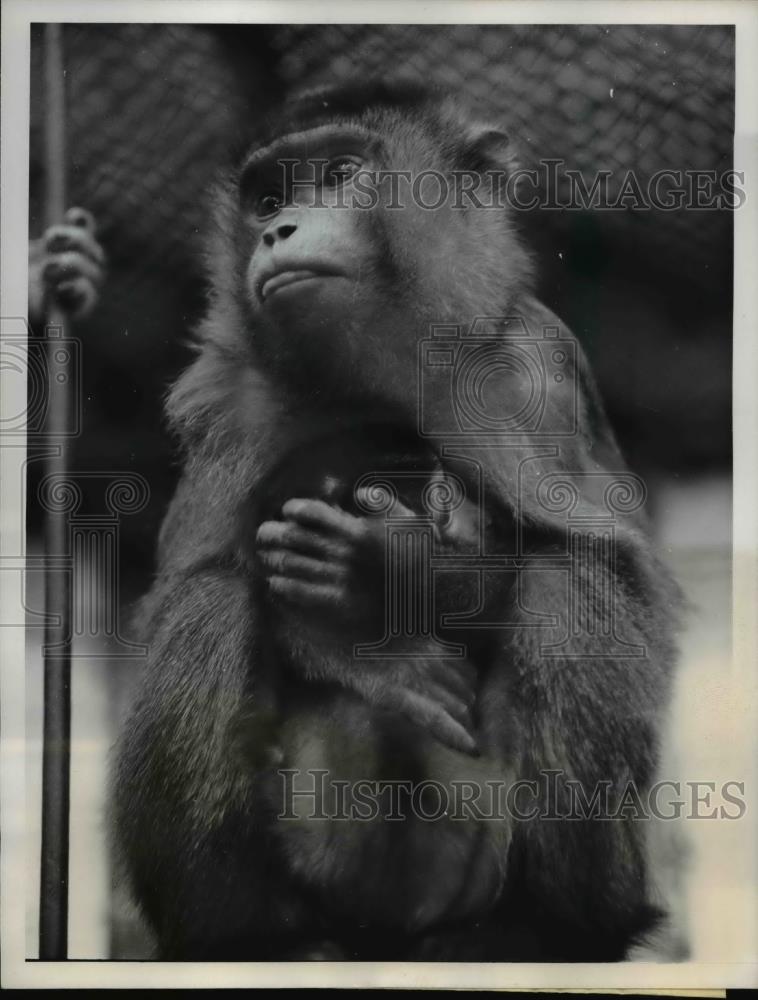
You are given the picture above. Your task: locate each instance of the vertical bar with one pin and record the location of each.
(56, 736)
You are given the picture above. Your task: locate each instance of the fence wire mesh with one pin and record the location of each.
(153, 110)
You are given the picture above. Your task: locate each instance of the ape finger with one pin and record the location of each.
(454, 690)
(289, 535)
(306, 594)
(73, 265)
(77, 297)
(284, 562)
(458, 679)
(455, 707)
(82, 218)
(324, 517)
(432, 717)
(60, 238)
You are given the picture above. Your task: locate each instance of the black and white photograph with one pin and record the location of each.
(379, 487)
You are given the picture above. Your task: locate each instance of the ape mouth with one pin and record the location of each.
(271, 283)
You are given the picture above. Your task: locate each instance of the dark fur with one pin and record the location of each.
(195, 795)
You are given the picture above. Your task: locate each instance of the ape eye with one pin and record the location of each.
(340, 170)
(268, 205)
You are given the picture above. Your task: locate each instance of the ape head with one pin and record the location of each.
(354, 234)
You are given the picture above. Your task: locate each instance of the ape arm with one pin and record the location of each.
(591, 716)
(184, 802)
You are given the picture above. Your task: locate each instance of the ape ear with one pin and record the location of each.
(487, 147)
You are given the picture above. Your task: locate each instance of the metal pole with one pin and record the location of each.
(53, 923)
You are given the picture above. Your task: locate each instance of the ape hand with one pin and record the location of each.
(435, 693)
(67, 264)
(324, 559)
(329, 562)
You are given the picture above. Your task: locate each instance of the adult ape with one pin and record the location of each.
(547, 666)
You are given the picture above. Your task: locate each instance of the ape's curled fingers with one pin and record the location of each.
(321, 516)
(431, 716)
(449, 680)
(315, 559)
(433, 692)
(287, 563)
(456, 677)
(80, 217)
(444, 685)
(306, 593)
(66, 265)
(71, 264)
(457, 707)
(58, 239)
(293, 536)
(360, 541)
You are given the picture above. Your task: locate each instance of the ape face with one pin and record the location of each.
(358, 240)
(298, 195)
(316, 271)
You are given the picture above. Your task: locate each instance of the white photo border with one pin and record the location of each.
(17, 15)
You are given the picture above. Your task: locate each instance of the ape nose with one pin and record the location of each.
(281, 232)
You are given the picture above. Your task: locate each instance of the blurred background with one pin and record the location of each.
(153, 111)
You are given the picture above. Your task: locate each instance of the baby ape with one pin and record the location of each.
(404, 548)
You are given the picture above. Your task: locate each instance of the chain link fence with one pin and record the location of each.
(154, 109)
